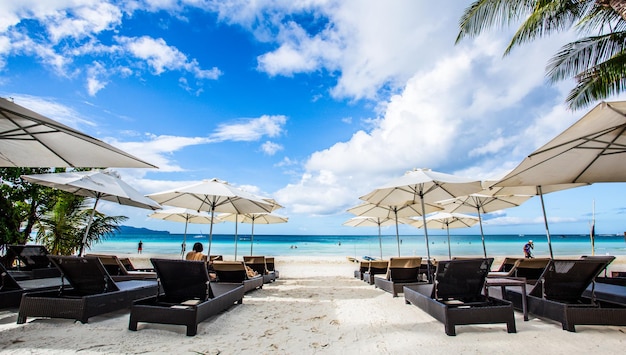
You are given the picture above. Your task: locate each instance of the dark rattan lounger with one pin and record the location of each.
(29, 262)
(559, 295)
(235, 272)
(118, 271)
(376, 267)
(11, 290)
(257, 263)
(402, 271)
(188, 298)
(92, 292)
(271, 266)
(456, 296)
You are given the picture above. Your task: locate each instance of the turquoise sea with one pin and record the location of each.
(364, 245)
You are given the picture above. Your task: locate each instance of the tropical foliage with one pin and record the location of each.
(596, 61)
(59, 218)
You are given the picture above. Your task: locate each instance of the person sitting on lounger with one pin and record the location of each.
(196, 253)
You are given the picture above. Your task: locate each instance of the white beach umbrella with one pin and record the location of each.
(98, 184)
(235, 218)
(446, 220)
(29, 139)
(481, 204)
(185, 215)
(391, 212)
(422, 186)
(365, 221)
(213, 196)
(252, 218)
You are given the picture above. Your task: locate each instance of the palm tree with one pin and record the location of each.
(596, 62)
(61, 229)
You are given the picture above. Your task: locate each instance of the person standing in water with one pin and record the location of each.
(139, 247)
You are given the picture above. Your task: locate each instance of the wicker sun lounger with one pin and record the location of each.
(402, 271)
(376, 267)
(29, 262)
(530, 269)
(188, 298)
(364, 265)
(257, 263)
(271, 265)
(559, 295)
(118, 271)
(456, 298)
(92, 292)
(11, 290)
(235, 272)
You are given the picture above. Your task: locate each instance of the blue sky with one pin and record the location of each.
(313, 103)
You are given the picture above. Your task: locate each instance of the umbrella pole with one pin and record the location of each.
(182, 250)
(380, 240)
(482, 234)
(545, 221)
(395, 211)
(211, 232)
(252, 237)
(84, 241)
(449, 250)
(426, 237)
(236, 237)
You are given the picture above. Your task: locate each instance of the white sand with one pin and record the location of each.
(315, 307)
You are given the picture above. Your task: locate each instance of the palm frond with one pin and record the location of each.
(580, 56)
(598, 83)
(548, 17)
(484, 14)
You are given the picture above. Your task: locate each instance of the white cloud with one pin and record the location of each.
(250, 130)
(158, 149)
(95, 73)
(162, 57)
(271, 148)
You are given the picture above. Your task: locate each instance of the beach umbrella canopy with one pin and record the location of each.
(365, 221)
(185, 215)
(97, 184)
(213, 196)
(422, 186)
(589, 151)
(481, 204)
(446, 220)
(392, 212)
(29, 139)
(252, 218)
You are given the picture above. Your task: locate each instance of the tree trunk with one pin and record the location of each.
(618, 6)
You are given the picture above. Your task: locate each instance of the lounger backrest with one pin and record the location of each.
(461, 279)
(230, 271)
(269, 262)
(32, 256)
(183, 279)
(531, 269)
(508, 264)
(378, 267)
(216, 257)
(566, 280)
(86, 274)
(256, 263)
(112, 264)
(364, 265)
(7, 282)
(404, 269)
